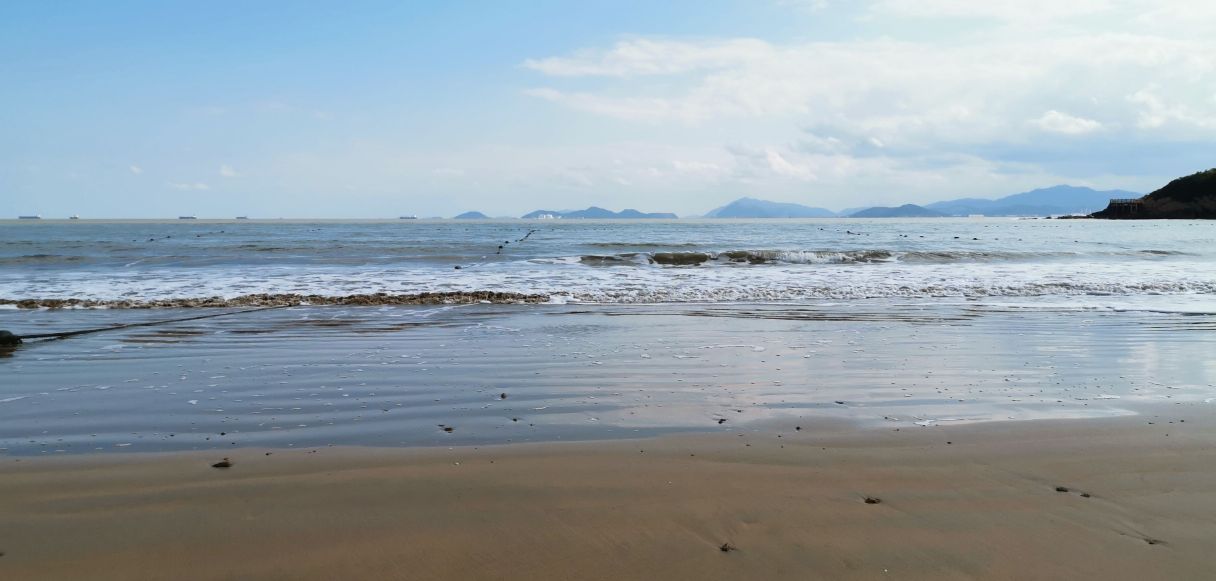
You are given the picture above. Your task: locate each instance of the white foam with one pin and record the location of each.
(1094, 281)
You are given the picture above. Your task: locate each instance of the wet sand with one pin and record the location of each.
(388, 376)
(957, 502)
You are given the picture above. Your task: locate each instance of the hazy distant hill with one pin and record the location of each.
(471, 216)
(753, 208)
(597, 213)
(904, 211)
(1190, 197)
(1055, 200)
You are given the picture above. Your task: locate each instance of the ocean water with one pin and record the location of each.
(1078, 262)
(643, 328)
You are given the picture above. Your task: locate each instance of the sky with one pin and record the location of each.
(378, 109)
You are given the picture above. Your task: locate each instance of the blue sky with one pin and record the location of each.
(376, 109)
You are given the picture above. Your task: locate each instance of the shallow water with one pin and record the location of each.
(313, 376)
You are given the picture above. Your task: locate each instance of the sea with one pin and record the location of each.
(1081, 262)
(445, 333)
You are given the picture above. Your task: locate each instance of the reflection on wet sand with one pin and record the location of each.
(308, 376)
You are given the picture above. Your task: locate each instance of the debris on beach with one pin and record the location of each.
(873, 500)
(727, 547)
(225, 463)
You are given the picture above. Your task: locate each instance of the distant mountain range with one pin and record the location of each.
(753, 208)
(1056, 200)
(1053, 201)
(1191, 197)
(904, 211)
(597, 213)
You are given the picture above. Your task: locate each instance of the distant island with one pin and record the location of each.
(1190, 197)
(1053, 201)
(597, 213)
(1187, 198)
(753, 208)
(904, 211)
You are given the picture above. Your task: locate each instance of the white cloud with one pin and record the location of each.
(634, 109)
(227, 171)
(199, 186)
(783, 167)
(644, 56)
(1005, 10)
(805, 5)
(896, 92)
(135, 169)
(1056, 122)
(1157, 112)
(575, 178)
(902, 101)
(698, 168)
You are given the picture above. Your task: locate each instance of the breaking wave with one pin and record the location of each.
(737, 257)
(758, 292)
(764, 293)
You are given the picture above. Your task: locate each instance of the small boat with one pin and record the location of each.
(187, 217)
(242, 217)
(409, 217)
(73, 217)
(30, 217)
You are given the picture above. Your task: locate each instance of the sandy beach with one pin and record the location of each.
(594, 291)
(955, 502)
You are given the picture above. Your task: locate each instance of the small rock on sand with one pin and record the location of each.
(225, 463)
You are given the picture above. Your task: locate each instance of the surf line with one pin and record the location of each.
(10, 339)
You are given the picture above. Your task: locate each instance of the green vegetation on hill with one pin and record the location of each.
(1190, 197)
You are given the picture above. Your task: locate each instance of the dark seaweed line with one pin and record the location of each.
(286, 300)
